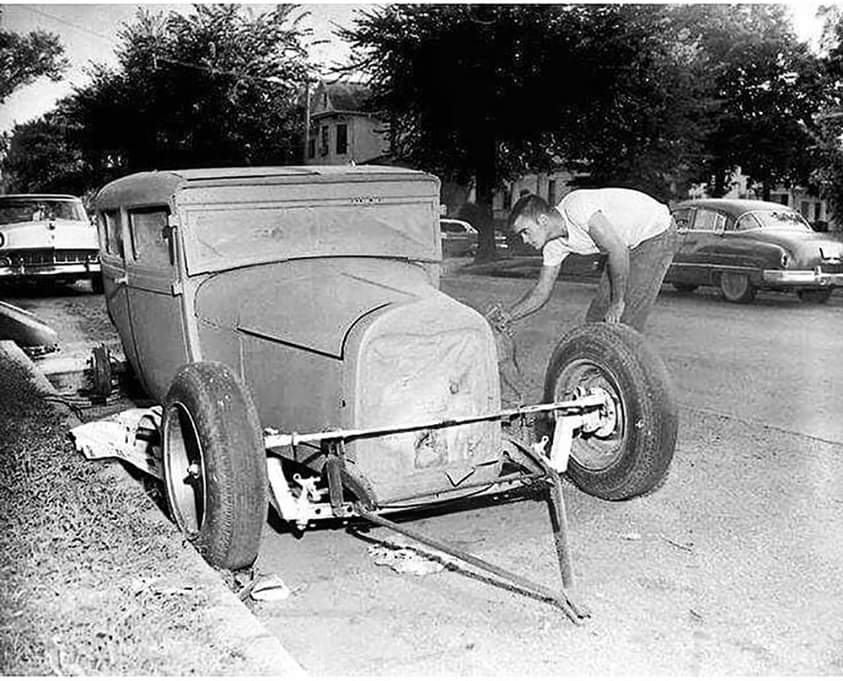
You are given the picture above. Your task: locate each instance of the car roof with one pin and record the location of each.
(733, 206)
(160, 185)
(39, 196)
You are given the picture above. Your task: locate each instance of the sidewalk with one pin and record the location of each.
(95, 579)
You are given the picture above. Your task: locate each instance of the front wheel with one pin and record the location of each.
(632, 457)
(215, 464)
(816, 296)
(736, 287)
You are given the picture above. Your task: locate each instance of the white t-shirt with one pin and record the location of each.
(635, 215)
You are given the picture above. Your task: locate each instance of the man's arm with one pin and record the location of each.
(608, 241)
(538, 295)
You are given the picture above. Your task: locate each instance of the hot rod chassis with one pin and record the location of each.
(135, 439)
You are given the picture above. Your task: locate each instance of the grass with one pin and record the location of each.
(91, 574)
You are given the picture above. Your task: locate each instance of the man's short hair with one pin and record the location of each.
(528, 207)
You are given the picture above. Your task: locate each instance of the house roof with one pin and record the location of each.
(344, 96)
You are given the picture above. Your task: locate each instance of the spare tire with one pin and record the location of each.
(633, 456)
(215, 464)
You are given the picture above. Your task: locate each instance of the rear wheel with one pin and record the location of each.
(632, 456)
(816, 295)
(215, 464)
(736, 287)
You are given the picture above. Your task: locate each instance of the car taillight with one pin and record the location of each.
(785, 259)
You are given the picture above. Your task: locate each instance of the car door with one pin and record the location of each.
(679, 272)
(154, 298)
(110, 231)
(701, 253)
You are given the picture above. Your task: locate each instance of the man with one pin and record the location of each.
(634, 230)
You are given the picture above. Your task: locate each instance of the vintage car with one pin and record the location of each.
(47, 237)
(742, 246)
(289, 323)
(459, 239)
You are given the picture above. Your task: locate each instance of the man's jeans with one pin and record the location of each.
(648, 263)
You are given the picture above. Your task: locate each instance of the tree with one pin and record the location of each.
(487, 92)
(768, 86)
(23, 59)
(828, 173)
(42, 158)
(221, 86)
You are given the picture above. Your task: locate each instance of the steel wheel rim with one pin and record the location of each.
(594, 452)
(184, 469)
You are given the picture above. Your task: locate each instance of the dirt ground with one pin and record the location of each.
(733, 567)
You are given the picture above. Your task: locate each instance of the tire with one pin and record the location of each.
(634, 458)
(96, 284)
(685, 288)
(215, 464)
(736, 287)
(816, 296)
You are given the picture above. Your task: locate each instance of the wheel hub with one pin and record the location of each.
(601, 422)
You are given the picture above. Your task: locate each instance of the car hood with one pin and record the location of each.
(307, 304)
(806, 246)
(49, 234)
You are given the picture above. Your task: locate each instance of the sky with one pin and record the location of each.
(89, 33)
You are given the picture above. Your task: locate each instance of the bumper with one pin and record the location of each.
(23, 271)
(810, 278)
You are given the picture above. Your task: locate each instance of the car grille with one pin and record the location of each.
(49, 257)
(832, 267)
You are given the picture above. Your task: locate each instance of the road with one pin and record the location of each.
(733, 567)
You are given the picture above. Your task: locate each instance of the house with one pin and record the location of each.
(342, 127)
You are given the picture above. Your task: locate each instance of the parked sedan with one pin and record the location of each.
(459, 238)
(47, 237)
(742, 246)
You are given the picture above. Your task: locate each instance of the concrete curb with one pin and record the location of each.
(233, 622)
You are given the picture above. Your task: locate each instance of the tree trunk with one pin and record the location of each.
(765, 190)
(485, 190)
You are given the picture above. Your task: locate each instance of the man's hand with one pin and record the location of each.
(615, 311)
(499, 319)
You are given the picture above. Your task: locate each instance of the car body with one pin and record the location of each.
(289, 323)
(319, 288)
(459, 238)
(47, 237)
(742, 246)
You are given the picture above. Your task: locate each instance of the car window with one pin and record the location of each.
(781, 219)
(150, 244)
(113, 231)
(451, 227)
(709, 220)
(747, 221)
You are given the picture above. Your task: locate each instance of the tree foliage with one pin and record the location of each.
(25, 58)
(767, 84)
(221, 86)
(490, 91)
